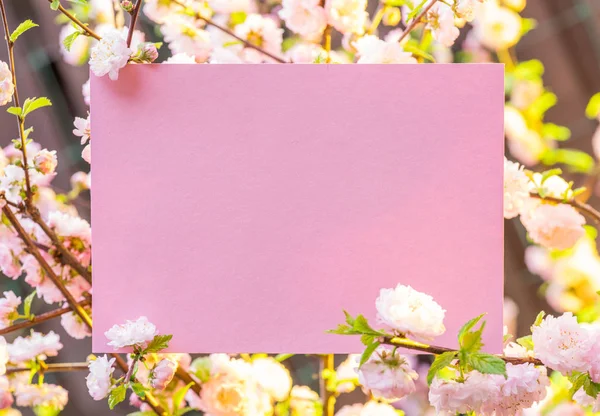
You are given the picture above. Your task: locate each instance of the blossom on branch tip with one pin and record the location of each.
(410, 312)
(262, 32)
(131, 334)
(110, 54)
(98, 380)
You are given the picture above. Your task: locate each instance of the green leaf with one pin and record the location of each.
(591, 388)
(32, 104)
(349, 318)
(542, 104)
(550, 173)
(593, 108)
(183, 411)
(368, 352)
(486, 363)
(414, 12)
(14, 110)
(527, 25)
(577, 381)
(577, 160)
(179, 395)
(46, 410)
(398, 3)
(418, 52)
(55, 4)
(160, 342)
(282, 357)
(68, 41)
(22, 28)
(529, 70)
(27, 304)
(117, 395)
(139, 389)
(555, 132)
(526, 342)
(468, 326)
(367, 339)
(472, 340)
(440, 362)
(538, 319)
(362, 326)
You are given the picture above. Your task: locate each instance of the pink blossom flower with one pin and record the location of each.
(347, 16)
(162, 374)
(272, 377)
(183, 35)
(7, 88)
(516, 188)
(410, 312)
(35, 345)
(557, 226)
(8, 308)
(110, 54)
(82, 128)
(6, 399)
(132, 333)
(372, 50)
(74, 326)
(98, 380)
(562, 343)
(34, 395)
(305, 17)
(45, 161)
(67, 225)
(231, 6)
(387, 375)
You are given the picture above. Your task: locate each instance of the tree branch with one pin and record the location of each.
(416, 20)
(327, 397)
(41, 318)
(134, 17)
(418, 346)
(230, 33)
(582, 207)
(83, 26)
(51, 368)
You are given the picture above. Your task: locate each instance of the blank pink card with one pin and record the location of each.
(241, 208)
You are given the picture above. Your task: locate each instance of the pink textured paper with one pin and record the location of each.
(242, 207)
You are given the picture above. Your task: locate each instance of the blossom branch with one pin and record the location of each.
(41, 318)
(230, 33)
(418, 346)
(184, 376)
(52, 368)
(580, 206)
(134, 16)
(416, 20)
(20, 119)
(66, 258)
(83, 26)
(35, 252)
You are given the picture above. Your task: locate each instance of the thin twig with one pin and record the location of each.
(582, 207)
(416, 20)
(418, 346)
(52, 368)
(134, 16)
(328, 398)
(20, 120)
(230, 33)
(78, 22)
(38, 319)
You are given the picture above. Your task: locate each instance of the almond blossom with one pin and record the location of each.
(36, 345)
(373, 50)
(49, 395)
(554, 226)
(8, 308)
(272, 377)
(261, 31)
(305, 17)
(110, 54)
(98, 380)
(440, 19)
(131, 334)
(7, 88)
(162, 374)
(347, 16)
(516, 189)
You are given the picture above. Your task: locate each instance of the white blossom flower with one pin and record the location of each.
(45, 161)
(462, 397)
(183, 35)
(35, 345)
(4, 355)
(553, 226)
(181, 58)
(231, 6)
(411, 312)
(387, 375)
(305, 17)
(562, 343)
(110, 54)
(67, 225)
(132, 333)
(263, 32)
(303, 401)
(229, 55)
(516, 188)
(347, 16)
(440, 20)
(272, 377)
(347, 374)
(497, 27)
(85, 91)
(74, 326)
(98, 380)
(7, 88)
(372, 50)
(34, 395)
(82, 128)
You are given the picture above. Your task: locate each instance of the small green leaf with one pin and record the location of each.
(486, 363)
(538, 319)
(14, 110)
(440, 362)
(414, 12)
(117, 395)
(27, 304)
(367, 339)
(526, 342)
(555, 132)
(577, 160)
(577, 381)
(55, 4)
(68, 41)
(591, 388)
(415, 50)
(179, 395)
(282, 357)
(32, 104)
(468, 326)
(139, 389)
(160, 342)
(593, 108)
(22, 28)
(368, 352)
(550, 173)
(349, 318)
(362, 325)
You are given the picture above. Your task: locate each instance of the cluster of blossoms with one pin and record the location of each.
(300, 31)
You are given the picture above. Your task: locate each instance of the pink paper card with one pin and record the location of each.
(241, 208)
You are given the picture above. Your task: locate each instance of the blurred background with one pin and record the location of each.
(566, 40)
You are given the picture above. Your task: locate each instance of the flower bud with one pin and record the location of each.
(146, 53)
(127, 6)
(162, 374)
(392, 16)
(45, 161)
